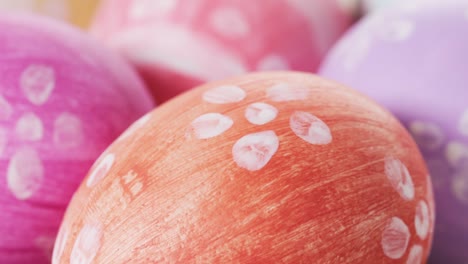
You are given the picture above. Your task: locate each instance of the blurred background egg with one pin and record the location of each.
(263, 168)
(78, 12)
(375, 5)
(63, 100)
(178, 44)
(414, 62)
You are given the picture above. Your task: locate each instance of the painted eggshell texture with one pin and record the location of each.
(179, 44)
(327, 177)
(412, 59)
(63, 100)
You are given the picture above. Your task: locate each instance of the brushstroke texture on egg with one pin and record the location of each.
(177, 44)
(332, 178)
(412, 58)
(63, 100)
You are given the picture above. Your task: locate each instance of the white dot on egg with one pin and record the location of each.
(463, 123)
(395, 238)
(68, 131)
(460, 185)
(260, 113)
(59, 246)
(224, 94)
(210, 125)
(229, 22)
(29, 127)
(5, 109)
(456, 153)
(282, 92)
(399, 177)
(87, 245)
(37, 83)
(396, 30)
(101, 169)
(273, 62)
(310, 128)
(415, 255)
(427, 135)
(253, 151)
(25, 173)
(132, 183)
(422, 220)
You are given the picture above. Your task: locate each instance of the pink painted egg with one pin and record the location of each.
(275, 167)
(63, 100)
(179, 44)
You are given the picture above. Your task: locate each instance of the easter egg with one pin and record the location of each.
(372, 5)
(63, 100)
(413, 62)
(78, 12)
(277, 167)
(177, 44)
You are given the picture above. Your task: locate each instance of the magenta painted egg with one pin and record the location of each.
(179, 44)
(63, 100)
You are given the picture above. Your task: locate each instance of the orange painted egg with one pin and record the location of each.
(275, 167)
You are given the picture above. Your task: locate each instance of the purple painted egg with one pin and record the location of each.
(63, 100)
(414, 61)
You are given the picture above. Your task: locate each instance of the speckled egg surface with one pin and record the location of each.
(63, 100)
(413, 60)
(263, 168)
(178, 44)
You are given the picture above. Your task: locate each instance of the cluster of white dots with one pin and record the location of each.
(396, 234)
(225, 21)
(430, 138)
(253, 151)
(25, 170)
(91, 234)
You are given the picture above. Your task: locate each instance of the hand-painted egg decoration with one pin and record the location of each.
(178, 44)
(414, 61)
(263, 168)
(78, 12)
(63, 100)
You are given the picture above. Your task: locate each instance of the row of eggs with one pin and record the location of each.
(250, 169)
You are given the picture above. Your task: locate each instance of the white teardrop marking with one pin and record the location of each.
(210, 125)
(253, 151)
(310, 128)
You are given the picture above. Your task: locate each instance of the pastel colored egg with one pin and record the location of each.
(263, 168)
(63, 100)
(414, 61)
(177, 45)
(77, 12)
(373, 5)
